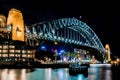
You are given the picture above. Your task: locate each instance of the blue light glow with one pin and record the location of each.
(61, 51)
(42, 47)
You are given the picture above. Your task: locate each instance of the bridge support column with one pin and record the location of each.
(107, 47)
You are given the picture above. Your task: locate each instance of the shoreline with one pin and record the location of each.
(54, 66)
(15, 66)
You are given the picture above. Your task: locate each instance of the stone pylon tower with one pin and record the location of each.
(107, 47)
(15, 19)
(2, 21)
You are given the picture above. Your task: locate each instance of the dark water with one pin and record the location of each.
(95, 72)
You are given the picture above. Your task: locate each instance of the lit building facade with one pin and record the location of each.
(13, 47)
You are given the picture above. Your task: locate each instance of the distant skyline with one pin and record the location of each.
(103, 19)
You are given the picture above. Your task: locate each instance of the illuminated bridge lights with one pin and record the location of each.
(70, 33)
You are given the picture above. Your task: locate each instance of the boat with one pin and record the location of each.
(76, 68)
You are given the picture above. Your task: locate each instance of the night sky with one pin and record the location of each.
(103, 18)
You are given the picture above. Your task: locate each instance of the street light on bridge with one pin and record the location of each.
(55, 42)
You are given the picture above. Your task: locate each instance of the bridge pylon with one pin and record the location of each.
(15, 19)
(107, 47)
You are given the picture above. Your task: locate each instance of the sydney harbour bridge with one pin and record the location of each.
(18, 38)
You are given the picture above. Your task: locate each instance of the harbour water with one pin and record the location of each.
(95, 72)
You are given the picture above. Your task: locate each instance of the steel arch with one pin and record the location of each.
(48, 30)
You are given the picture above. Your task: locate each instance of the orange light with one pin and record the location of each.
(55, 43)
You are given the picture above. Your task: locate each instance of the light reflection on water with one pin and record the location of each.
(100, 72)
(94, 73)
(13, 74)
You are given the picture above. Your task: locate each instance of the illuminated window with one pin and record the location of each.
(11, 51)
(23, 51)
(11, 55)
(24, 55)
(5, 55)
(5, 47)
(12, 46)
(17, 51)
(29, 56)
(5, 51)
(17, 55)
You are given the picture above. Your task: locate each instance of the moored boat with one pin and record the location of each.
(76, 68)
